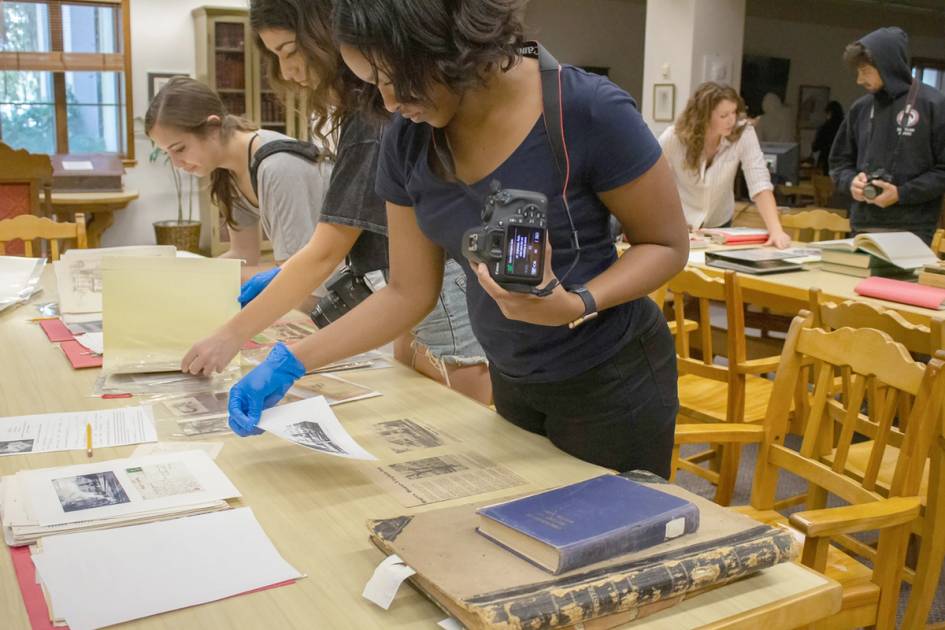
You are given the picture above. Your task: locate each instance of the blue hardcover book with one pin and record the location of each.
(590, 521)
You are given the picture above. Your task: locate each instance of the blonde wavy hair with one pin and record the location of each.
(692, 125)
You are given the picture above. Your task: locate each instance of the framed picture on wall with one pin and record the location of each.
(811, 102)
(664, 102)
(156, 81)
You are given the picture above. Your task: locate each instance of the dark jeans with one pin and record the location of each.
(620, 414)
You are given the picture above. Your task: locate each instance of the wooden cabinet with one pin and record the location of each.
(229, 62)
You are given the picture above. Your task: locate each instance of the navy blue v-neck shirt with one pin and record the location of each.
(608, 145)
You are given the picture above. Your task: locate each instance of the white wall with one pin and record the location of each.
(594, 33)
(668, 58)
(162, 40)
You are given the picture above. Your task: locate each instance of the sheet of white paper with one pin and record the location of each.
(210, 448)
(386, 580)
(94, 341)
(124, 486)
(79, 274)
(19, 279)
(156, 308)
(77, 165)
(102, 578)
(312, 424)
(451, 624)
(47, 432)
(696, 256)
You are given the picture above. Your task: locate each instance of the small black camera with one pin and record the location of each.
(511, 243)
(346, 290)
(871, 191)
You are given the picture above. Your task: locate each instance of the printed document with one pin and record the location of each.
(47, 432)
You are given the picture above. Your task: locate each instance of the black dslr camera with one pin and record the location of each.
(346, 290)
(871, 191)
(511, 243)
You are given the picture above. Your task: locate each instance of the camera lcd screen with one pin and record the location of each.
(525, 246)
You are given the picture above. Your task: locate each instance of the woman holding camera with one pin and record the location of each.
(353, 223)
(705, 147)
(591, 364)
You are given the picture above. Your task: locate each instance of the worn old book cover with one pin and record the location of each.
(585, 522)
(485, 586)
(87, 172)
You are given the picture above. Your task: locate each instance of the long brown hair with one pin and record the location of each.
(187, 105)
(692, 125)
(333, 90)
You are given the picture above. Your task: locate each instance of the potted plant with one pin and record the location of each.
(185, 235)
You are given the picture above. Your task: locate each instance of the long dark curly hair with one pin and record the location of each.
(333, 91)
(692, 124)
(417, 43)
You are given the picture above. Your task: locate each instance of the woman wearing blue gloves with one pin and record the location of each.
(589, 364)
(353, 224)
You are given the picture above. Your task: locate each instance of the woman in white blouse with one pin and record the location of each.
(704, 147)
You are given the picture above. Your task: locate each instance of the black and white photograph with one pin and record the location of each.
(13, 447)
(429, 467)
(664, 102)
(204, 426)
(405, 435)
(311, 435)
(192, 407)
(84, 492)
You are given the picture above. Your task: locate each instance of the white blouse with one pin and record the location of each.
(707, 195)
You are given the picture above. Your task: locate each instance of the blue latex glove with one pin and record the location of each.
(263, 387)
(254, 286)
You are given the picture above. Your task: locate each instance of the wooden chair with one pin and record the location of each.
(823, 189)
(824, 224)
(870, 595)
(710, 391)
(938, 242)
(25, 186)
(28, 227)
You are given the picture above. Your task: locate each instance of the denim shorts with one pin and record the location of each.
(446, 331)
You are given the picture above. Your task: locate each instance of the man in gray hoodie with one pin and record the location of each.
(890, 150)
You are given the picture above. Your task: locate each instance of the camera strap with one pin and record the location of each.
(900, 127)
(553, 116)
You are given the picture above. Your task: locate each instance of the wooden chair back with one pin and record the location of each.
(705, 290)
(28, 227)
(919, 339)
(25, 186)
(823, 189)
(883, 369)
(938, 243)
(825, 225)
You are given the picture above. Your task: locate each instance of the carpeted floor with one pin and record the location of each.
(789, 487)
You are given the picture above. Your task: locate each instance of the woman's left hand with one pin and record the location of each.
(781, 239)
(557, 309)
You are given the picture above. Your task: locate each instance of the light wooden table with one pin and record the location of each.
(789, 292)
(314, 508)
(100, 206)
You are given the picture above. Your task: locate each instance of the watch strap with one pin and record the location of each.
(590, 306)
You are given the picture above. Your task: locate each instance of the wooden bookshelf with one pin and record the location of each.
(228, 61)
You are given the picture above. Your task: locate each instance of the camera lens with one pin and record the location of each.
(870, 192)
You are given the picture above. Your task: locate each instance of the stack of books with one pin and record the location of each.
(933, 275)
(884, 254)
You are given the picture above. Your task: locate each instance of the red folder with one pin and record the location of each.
(744, 239)
(80, 356)
(56, 330)
(902, 292)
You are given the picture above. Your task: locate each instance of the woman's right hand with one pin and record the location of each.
(211, 354)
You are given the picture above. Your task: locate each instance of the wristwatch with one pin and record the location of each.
(590, 306)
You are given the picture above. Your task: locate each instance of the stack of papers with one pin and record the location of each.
(19, 279)
(42, 502)
(97, 579)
